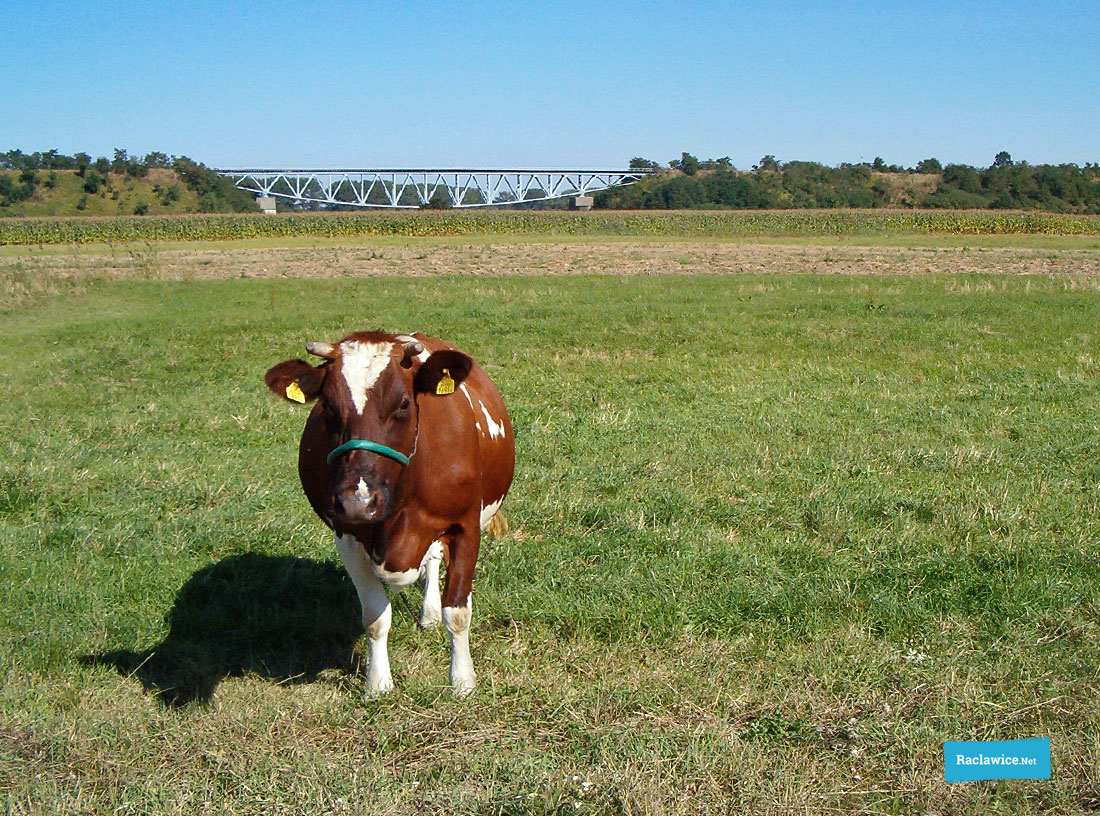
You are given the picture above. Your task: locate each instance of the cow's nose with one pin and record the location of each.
(358, 506)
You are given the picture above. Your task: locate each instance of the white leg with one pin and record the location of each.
(431, 612)
(377, 613)
(457, 621)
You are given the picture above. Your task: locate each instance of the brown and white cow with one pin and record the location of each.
(407, 456)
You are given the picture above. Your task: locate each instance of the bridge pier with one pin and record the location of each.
(583, 202)
(266, 204)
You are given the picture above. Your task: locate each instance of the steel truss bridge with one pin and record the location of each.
(410, 189)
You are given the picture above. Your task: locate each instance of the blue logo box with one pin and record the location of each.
(1009, 759)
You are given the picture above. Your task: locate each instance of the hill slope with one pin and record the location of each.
(63, 192)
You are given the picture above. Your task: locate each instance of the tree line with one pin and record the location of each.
(684, 183)
(215, 194)
(692, 183)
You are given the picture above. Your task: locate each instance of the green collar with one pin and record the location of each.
(373, 447)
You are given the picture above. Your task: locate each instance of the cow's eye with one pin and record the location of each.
(405, 403)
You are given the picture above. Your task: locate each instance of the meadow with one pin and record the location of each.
(776, 533)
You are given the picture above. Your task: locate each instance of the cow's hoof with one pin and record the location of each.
(430, 618)
(377, 689)
(463, 687)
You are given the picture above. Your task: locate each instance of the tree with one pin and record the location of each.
(1002, 159)
(962, 177)
(687, 163)
(638, 163)
(767, 163)
(12, 160)
(929, 166)
(156, 161)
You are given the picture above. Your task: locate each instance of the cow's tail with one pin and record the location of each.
(498, 526)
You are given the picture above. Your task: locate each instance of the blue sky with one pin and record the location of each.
(495, 84)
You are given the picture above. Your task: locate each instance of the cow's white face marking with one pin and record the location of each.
(488, 511)
(495, 429)
(362, 491)
(363, 363)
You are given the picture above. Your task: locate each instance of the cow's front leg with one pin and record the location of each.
(377, 613)
(458, 607)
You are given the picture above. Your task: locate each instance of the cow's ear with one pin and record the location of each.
(296, 380)
(432, 376)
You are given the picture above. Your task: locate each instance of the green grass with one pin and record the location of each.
(774, 540)
(686, 223)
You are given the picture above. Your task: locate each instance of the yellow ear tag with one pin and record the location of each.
(293, 392)
(445, 385)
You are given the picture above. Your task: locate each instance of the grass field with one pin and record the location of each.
(776, 534)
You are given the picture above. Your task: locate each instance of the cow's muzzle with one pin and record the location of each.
(359, 505)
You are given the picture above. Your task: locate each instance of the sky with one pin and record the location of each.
(564, 85)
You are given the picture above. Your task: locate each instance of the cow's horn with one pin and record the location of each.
(412, 348)
(326, 350)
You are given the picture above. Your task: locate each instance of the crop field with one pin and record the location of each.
(787, 516)
(696, 224)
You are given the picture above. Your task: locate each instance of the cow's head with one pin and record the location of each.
(368, 390)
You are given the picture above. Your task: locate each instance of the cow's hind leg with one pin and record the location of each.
(377, 613)
(431, 611)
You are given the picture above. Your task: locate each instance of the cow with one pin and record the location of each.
(407, 456)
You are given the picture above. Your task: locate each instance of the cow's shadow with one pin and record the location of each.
(283, 618)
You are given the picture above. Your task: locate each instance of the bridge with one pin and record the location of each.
(410, 189)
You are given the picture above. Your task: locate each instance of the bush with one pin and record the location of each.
(439, 201)
(955, 199)
(92, 181)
